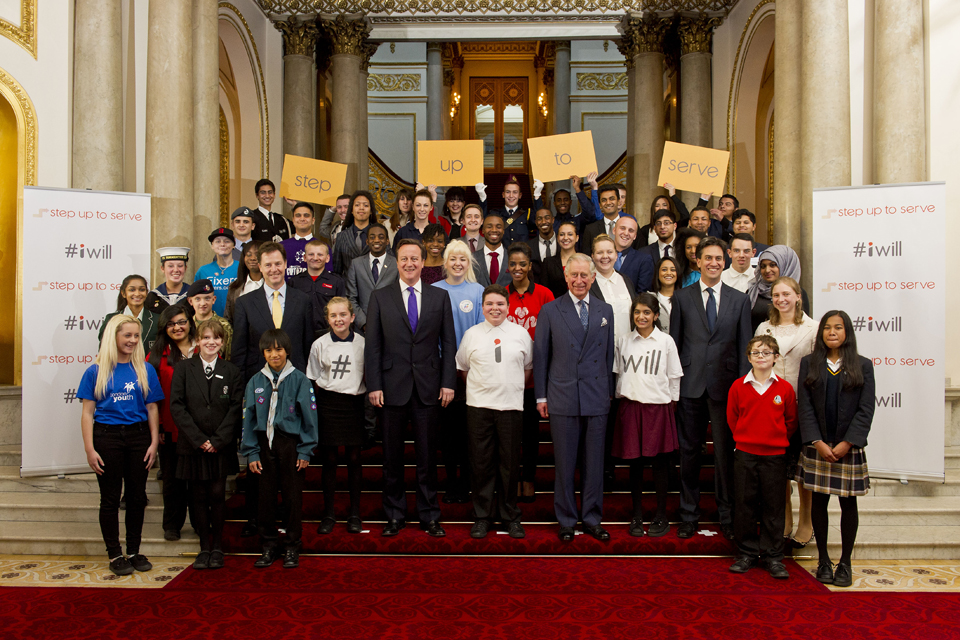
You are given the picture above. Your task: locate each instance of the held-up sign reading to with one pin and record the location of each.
(561, 156)
(309, 180)
(696, 169)
(449, 163)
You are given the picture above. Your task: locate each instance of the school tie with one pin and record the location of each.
(666, 251)
(547, 244)
(208, 370)
(583, 314)
(412, 309)
(277, 310)
(619, 262)
(494, 267)
(610, 226)
(711, 310)
(376, 270)
(473, 245)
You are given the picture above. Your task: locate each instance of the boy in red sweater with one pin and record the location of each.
(762, 413)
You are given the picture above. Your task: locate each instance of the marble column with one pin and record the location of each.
(824, 111)
(643, 42)
(206, 127)
(363, 172)
(299, 97)
(168, 149)
(434, 91)
(899, 126)
(623, 46)
(349, 95)
(97, 96)
(696, 106)
(787, 188)
(561, 88)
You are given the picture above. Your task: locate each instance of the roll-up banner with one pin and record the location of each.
(879, 253)
(77, 247)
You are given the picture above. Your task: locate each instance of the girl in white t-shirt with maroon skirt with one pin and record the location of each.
(648, 385)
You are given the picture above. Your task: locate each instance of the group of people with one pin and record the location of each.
(471, 325)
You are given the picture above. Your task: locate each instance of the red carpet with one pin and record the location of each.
(516, 598)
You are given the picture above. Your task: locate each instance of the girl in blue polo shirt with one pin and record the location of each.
(121, 431)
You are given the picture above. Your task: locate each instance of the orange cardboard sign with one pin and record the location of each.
(310, 180)
(561, 156)
(696, 169)
(449, 163)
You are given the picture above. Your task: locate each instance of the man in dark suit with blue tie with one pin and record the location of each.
(411, 371)
(635, 266)
(573, 381)
(710, 323)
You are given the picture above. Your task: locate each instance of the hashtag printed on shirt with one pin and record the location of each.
(337, 365)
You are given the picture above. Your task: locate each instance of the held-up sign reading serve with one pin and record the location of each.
(449, 163)
(561, 156)
(309, 180)
(696, 169)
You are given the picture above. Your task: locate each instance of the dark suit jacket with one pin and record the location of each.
(637, 267)
(711, 361)
(535, 259)
(483, 275)
(252, 317)
(573, 369)
(326, 286)
(855, 406)
(653, 250)
(398, 361)
(590, 232)
(204, 411)
(551, 276)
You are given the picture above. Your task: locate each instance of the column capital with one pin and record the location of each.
(448, 77)
(348, 36)
(548, 77)
(456, 62)
(625, 46)
(696, 33)
(642, 35)
(561, 44)
(369, 48)
(435, 46)
(299, 37)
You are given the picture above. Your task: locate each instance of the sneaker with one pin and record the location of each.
(659, 527)
(140, 562)
(121, 566)
(202, 561)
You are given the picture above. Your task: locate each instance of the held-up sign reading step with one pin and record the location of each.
(561, 156)
(696, 169)
(309, 180)
(449, 163)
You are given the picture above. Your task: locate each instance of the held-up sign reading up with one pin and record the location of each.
(696, 169)
(561, 156)
(309, 180)
(449, 163)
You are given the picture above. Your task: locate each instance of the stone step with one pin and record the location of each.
(951, 458)
(10, 455)
(63, 507)
(84, 539)
(950, 486)
(10, 481)
(900, 542)
(901, 510)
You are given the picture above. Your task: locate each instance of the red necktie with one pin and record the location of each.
(473, 245)
(494, 267)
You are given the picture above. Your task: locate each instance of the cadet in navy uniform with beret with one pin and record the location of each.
(173, 264)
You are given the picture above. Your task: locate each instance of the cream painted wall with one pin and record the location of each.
(603, 112)
(48, 82)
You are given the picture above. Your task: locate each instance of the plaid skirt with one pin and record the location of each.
(846, 477)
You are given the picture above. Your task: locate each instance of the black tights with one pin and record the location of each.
(849, 522)
(330, 479)
(661, 478)
(208, 502)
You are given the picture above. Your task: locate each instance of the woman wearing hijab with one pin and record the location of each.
(778, 261)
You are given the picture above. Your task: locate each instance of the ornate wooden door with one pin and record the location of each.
(498, 116)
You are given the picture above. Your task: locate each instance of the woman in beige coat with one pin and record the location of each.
(796, 334)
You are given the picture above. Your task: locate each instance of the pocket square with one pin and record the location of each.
(603, 322)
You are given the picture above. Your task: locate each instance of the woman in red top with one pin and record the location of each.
(526, 300)
(176, 341)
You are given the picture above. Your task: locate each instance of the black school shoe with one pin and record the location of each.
(843, 575)
(777, 570)
(291, 560)
(326, 525)
(202, 561)
(120, 566)
(825, 572)
(659, 527)
(687, 529)
(216, 559)
(743, 564)
(140, 562)
(636, 528)
(266, 559)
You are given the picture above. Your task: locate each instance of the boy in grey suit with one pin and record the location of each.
(373, 270)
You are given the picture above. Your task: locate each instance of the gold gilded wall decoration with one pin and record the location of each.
(299, 38)
(393, 82)
(602, 81)
(26, 34)
(460, 7)
(224, 171)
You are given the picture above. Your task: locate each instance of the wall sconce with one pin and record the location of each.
(455, 106)
(542, 102)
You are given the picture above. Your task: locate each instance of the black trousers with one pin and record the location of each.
(530, 446)
(494, 442)
(176, 494)
(280, 471)
(425, 421)
(694, 414)
(453, 438)
(122, 449)
(760, 486)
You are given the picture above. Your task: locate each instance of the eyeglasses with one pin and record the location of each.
(757, 354)
(663, 224)
(177, 323)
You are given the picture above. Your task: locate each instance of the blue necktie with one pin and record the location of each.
(619, 262)
(412, 309)
(711, 310)
(376, 270)
(583, 314)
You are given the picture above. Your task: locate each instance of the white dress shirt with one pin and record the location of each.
(283, 295)
(606, 224)
(252, 285)
(706, 296)
(543, 244)
(307, 237)
(617, 294)
(739, 281)
(499, 251)
(761, 387)
(661, 246)
(417, 291)
(495, 359)
(380, 262)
